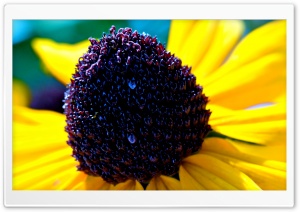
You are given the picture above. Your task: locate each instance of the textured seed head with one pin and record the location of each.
(133, 111)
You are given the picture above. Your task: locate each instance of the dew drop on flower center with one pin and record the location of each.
(133, 110)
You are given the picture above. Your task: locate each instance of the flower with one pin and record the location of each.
(247, 150)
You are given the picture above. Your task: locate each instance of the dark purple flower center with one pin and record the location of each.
(133, 111)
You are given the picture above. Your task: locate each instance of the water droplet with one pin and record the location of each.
(132, 138)
(132, 83)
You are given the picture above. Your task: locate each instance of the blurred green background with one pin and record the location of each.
(46, 92)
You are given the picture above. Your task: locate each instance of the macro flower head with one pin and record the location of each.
(205, 112)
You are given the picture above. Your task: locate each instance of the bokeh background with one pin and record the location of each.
(31, 80)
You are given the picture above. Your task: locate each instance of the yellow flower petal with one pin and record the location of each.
(223, 116)
(264, 40)
(267, 39)
(129, 185)
(47, 174)
(256, 161)
(60, 59)
(252, 153)
(33, 135)
(21, 93)
(273, 151)
(163, 183)
(79, 186)
(225, 37)
(74, 182)
(267, 178)
(204, 44)
(187, 181)
(42, 159)
(196, 42)
(261, 125)
(221, 169)
(97, 183)
(29, 116)
(56, 156)
(260, 133)
(204, 178)
(177, 34)
(61, 180)
(32, 142)
(218, 114)
(260, 81)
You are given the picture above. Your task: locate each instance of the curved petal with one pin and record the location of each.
(267, 173)
(53, 157)
(223, 116)
(196, 42)
(222, 170)
(97, 183)
(261, 133)
(245, 151)
(193, 177)
(33, 135)
(260, 81)
(41, 158)
(79, 186)
(265, 40)
(61, 180)
(177, 34)
(188, 182)
(226, 36)
(266, 178)
(204, 44)
(41, 174)
(74, 182)
(47, 174)
(163, 183)
(268, 39)
(264, 125)
(30, 142)
(272, 152)
(129, 185)
(262, 50)
(25, 115)
(60, 59)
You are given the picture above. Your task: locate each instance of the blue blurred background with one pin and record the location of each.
(45, 91)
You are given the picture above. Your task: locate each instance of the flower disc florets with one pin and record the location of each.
(133, 111)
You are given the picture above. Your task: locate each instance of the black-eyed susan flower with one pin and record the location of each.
(136, 117)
